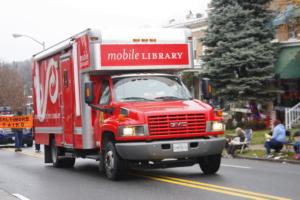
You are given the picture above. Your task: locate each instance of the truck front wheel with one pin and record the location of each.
(114, 166)
(210, 164)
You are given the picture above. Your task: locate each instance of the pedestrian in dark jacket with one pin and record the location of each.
(18, 135)
(297, 145)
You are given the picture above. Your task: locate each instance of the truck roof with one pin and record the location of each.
(124, 49)
(162, 35)
(141, 74)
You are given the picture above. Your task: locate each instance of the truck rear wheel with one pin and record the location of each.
(55, 153)
(29, 144)
(210, 164)
(114, 166)
(68, 162)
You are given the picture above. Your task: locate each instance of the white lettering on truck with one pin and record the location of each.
(132, 55)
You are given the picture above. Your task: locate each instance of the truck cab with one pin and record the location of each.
(151, 120)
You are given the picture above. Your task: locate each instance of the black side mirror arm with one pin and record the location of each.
(105, 110)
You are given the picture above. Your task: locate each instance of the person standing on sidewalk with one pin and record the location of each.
(297, 145)
(18, 135)
(277, 140)
(37, 146)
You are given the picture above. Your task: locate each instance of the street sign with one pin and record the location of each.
(16, 121)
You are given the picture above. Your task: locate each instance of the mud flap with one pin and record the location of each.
(47, 154)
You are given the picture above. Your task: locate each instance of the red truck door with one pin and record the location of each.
(67, 99)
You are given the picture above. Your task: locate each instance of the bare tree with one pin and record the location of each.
(11, 87)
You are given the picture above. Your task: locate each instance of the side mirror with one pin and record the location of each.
(206, 88)
(89, 92)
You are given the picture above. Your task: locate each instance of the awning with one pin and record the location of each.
(290, 12)
(279, 20)
(295, 12)
(288, 63)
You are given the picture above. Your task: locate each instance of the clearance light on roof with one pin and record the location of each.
(144, 40)
(94, 38)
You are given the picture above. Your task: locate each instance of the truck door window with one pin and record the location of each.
(105, 93)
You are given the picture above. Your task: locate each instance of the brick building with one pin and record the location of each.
(287, 67)
(197, 23)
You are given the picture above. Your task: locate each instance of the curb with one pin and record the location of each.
(4, 195)
(269, 160)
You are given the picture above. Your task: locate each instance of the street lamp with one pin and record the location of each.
(16, 35)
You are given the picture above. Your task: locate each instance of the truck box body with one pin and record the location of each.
(112, 60)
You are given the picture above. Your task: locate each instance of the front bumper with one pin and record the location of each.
(7, 138)
(159, 150)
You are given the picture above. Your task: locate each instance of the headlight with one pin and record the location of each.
(217, 126)
(133, 130)
(128, 131)
(214, 126)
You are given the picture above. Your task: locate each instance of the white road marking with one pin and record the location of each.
(19, 196)
(236, 166)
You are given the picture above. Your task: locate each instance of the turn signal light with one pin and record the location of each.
(121, 118)
(87, 92)
(144, 40)
(219, 113)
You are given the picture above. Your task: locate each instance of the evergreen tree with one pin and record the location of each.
(240, 56)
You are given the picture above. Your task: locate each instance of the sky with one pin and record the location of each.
(52, 21)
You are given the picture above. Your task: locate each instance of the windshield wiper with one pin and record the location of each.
(136, 99)
(170, 98)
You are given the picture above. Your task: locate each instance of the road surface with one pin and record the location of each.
(26, 175)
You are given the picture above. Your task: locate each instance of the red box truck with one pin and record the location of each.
(115, 96)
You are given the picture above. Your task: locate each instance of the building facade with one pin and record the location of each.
(287, 67)
(197, 23)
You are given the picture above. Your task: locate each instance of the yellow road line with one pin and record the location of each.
(224, 188)
(37, 155)
(213, 188)
(203, 188)
(32, 154)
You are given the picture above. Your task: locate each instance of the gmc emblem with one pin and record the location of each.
(178, 124)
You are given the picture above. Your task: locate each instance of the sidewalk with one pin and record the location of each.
(257, 147)
(281, 157)
(6, 196)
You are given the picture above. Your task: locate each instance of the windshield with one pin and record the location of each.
(149, 88)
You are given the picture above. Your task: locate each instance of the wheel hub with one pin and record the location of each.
(109, 160)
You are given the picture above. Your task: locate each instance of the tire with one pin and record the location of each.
(114, 166)
(101, 162)
(29, 144)
(210, 164)
(68, 162)
(55, 153)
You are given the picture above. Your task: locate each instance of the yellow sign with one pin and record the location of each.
(16, 121)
